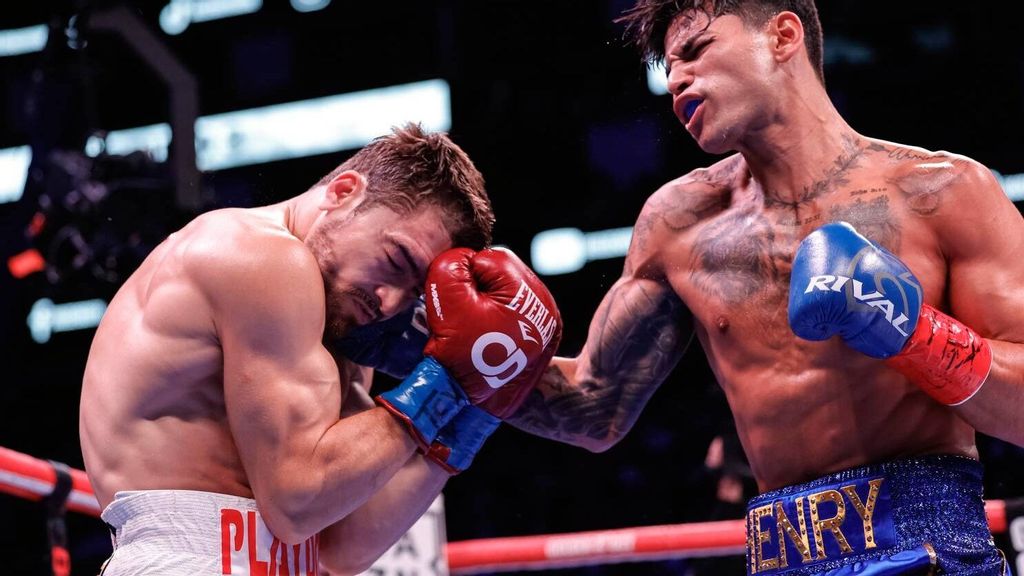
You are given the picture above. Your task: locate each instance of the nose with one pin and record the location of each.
(680, 77)
(393, 299)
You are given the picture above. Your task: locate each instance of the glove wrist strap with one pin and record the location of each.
(460, 440)
(425, 401)
(945, 358)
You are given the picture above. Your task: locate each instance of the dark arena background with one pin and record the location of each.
(556, 111)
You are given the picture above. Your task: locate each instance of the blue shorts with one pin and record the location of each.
(921, 515)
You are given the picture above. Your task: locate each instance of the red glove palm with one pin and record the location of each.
(494, 326)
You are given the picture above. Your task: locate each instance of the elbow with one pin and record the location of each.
(288, 517)
(286, 527)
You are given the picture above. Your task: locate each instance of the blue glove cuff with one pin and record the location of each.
(425, 401)
(458, 441)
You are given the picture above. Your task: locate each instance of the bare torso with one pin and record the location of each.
(711, 255)
(804, 408)
(153, 410)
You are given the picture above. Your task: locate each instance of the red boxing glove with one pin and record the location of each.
(494, 326)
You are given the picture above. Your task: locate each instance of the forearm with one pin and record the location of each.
(352, 544)
(567, 408)
(637, 337)
(576, 406)
(977, 376)
(352, 460)
(996, 409)
(980, 378)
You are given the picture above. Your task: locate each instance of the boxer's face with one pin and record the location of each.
(374, 262)
(720, 73)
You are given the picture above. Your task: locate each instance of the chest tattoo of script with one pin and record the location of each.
(923, 179)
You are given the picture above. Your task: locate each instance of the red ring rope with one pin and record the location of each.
(32, 478)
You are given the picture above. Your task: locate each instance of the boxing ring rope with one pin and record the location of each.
(34, 479)
(724, 538)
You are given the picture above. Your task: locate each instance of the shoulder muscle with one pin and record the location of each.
(680, 205)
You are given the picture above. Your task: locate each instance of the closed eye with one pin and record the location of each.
(394, 264)
(693, 51)
(692, 48)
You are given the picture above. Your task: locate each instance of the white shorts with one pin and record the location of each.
(177, 532)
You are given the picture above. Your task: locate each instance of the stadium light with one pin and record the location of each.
(47, 318)
(16, 41)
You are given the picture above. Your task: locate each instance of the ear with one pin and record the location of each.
(786, 35)
(348, 188)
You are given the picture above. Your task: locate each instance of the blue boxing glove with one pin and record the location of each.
(843, 284)
(393, 346)
(426, 401)
(460, 439)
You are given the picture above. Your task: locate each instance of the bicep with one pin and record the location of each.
(281, 386)
(278, 402)
(281, 402)
(638, 334)
(983, 235)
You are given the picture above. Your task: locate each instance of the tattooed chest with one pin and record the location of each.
(747, 258)
(740, 259)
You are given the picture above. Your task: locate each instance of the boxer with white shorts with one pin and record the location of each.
(221, 434)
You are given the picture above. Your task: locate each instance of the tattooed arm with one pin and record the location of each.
(634, 341)
(637, 336)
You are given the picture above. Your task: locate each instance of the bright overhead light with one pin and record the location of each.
(565, 250)
(17, 41)
(47, 318)
(657, 79)
(309, 5)
(177, 15)
(13, 171)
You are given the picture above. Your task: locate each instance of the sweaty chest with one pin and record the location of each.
(737, 257)
(735, 268)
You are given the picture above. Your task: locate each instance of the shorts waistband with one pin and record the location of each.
(867, 513)
(194, 532)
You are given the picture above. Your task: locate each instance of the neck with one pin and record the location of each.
(302, 211)
(805, 144)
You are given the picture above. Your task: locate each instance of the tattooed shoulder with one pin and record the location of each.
(693, 198)
(924, 179)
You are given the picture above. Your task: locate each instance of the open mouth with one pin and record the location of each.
(691, 108)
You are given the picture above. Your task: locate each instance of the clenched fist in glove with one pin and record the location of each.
(493, 329)
(843, 284)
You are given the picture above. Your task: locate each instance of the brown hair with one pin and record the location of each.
(410, 167)
(648, 21)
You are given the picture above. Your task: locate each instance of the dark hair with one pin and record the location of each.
(648, 21)
(411, 167)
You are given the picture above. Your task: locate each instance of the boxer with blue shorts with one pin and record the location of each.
(857, 300)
